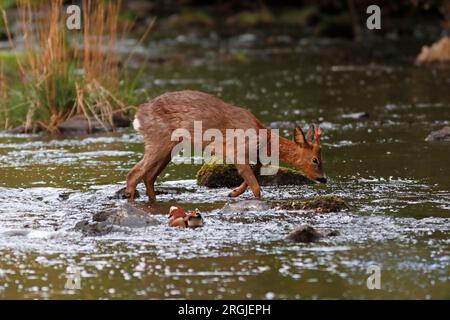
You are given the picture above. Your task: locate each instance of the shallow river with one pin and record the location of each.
(396, 184)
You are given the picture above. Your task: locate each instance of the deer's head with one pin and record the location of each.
(308, 153)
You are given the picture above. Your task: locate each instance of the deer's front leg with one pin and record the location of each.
(133, 179)
(247, 174)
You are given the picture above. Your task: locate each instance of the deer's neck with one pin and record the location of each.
(286, 146)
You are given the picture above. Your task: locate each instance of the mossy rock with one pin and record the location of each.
(300, 17)
(335, 26)
(226, 176)
(321, 204)
(192, 18)
(251, 19)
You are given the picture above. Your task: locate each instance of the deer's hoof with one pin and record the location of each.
(124, 194)
(233, 194)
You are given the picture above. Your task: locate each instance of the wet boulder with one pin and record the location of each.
(80, 124)
(305, 233)
(226, 176)
(321, 204)
(93, 228)
(437, 53)
(439, 135)
(106, 221)
(121, 194)
(33, 128)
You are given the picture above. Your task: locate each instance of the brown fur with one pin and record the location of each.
(170, 111)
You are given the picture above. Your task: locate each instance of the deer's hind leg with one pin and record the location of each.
(247, 174)
(154, 154)
(243, 187)
(152, 174)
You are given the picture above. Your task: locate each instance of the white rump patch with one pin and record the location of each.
(136, 124)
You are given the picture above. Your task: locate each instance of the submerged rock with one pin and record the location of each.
(439, 135)
(93, 228)
(322, 204)
(306, 233)
(226, 176)
(120, 194)
(245, 205)
(125, 216)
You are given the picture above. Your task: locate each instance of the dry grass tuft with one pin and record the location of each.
(67, 72)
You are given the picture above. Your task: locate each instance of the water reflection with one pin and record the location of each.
(395, 183)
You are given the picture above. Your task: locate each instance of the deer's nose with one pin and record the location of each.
(322, 180)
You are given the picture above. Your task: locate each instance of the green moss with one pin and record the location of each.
(218, 175)
(251, 18)
(9, 61)
(226, 176)
(335, 26)
(192, 18)
(322, 204)
(299, 17)
(7, 4)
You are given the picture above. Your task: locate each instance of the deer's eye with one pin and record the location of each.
(315, 161)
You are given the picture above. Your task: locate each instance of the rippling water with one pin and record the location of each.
(397, 187)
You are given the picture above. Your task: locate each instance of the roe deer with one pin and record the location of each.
(157, 119)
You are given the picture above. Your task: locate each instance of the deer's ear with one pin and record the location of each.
(310, 134)
(299, 137)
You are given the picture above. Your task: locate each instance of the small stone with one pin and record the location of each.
(245, 206)
(93, 228)
(80, 124)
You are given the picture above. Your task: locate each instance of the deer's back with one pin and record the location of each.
(180, 109)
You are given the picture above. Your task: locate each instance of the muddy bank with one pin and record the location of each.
(80, 125)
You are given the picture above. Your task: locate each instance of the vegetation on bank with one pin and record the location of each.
(57, 73)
